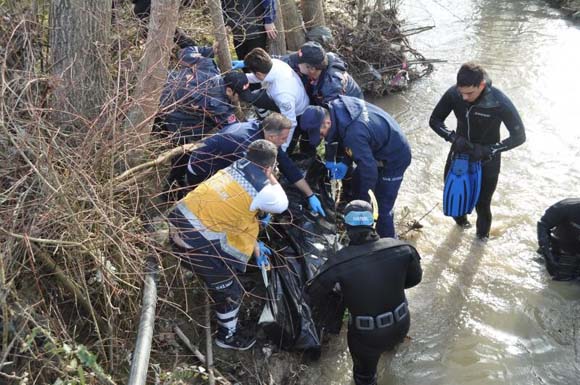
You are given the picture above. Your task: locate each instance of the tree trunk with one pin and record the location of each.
(293, 24)
(313, 13)
(360, 7)
(278, 46)
(153, 71)
(79, 31)
(217, 19)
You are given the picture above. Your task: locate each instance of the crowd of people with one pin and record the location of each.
(228, 188)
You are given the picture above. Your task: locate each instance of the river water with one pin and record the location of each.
(488, 313)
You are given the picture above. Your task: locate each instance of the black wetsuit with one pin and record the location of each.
(372, 274)
(479, 123)
(559, 238)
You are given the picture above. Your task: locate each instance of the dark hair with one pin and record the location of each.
(275, 123)
(262, 152)
(470, 74)
(235, 80)
(258, 60)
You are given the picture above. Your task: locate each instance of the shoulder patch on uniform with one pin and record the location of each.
(285, 106)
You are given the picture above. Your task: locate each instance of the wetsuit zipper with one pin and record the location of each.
(468, 125)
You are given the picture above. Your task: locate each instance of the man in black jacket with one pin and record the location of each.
(373, 274)
(559, 238)
(480, 109)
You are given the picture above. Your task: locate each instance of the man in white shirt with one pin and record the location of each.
(282, 83)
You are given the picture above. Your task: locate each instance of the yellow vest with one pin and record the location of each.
(219, 209)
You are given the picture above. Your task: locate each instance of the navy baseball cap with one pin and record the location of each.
(189, 55)
(311, 121)
(312, 53)
(236, 80)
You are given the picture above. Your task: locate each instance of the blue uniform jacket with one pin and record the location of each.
(195, 96)
(367, 134)
(333, 81)
(230, 144)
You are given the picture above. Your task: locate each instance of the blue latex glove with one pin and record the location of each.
(262, 259)
(315, 205)
(265, 220)
(337, 170)
(238, 64)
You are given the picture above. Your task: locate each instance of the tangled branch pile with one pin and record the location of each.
(376, 47)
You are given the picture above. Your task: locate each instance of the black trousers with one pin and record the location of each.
(489, 177)
(366, 348)
(210, 264)
(243, 47)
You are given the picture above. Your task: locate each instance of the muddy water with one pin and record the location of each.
(489, 313)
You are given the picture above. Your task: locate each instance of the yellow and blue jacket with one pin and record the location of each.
(219, 210)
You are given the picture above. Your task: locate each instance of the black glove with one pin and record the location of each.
(461, 144)
(481, 152)
(236, 80)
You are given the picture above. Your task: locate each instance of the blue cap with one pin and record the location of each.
(358, 213)
(311, 121)
(312, 53)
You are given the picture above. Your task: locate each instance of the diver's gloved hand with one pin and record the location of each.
(315, 205)
(461, 144)
(262, 260)
(265, 220)
(238, 64)
(481, 152)
(337, 169)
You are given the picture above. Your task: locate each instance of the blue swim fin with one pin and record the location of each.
(457, 190)
(475, 181)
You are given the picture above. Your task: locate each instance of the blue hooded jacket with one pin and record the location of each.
(368, 135)
(194, 95)
(230, 144)
(333, 81)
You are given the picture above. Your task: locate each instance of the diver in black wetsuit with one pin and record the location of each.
(559, 239)
(373, 274)
(480, 109)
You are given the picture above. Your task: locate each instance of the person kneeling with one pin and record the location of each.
(214, 231)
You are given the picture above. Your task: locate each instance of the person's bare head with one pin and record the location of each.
(263, 153)
(258, 62)
(470, 81)
(276, 128)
